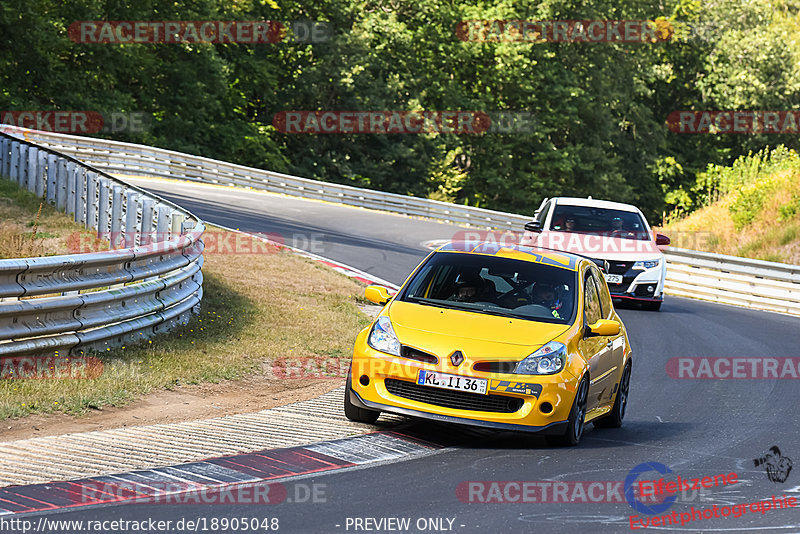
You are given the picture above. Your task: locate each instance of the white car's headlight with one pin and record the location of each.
(546, 360)
(383, 338)
(647, 264)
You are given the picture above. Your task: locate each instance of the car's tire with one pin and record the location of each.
(356, 413)
(577, 416)
(617, 413)
(651, 306)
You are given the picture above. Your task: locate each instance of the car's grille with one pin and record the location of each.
(414, 354)
(460, 400)
(619, 267)
(495, 367)
(621, 289)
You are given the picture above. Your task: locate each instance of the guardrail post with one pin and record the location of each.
(13, 171)
(103, 211)
(72, 178)
(131, 217)
(61, 184)
(3, 156)
(176, 224)
(117, 199)
(103, 219)
(8, 162)
(22, 176)
(91, 200)
(30, 164)
(147, 221)
(162, 223)
(80, 196)
(52, 178)
(41, 173)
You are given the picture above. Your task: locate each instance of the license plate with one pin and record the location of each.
(614, 278)
(458, 383)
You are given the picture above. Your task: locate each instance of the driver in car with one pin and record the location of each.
(544, 294)
(468, 287)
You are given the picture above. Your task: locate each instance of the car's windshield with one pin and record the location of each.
(599, 221)
(494, 285)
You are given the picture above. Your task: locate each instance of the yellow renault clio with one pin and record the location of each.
(508, 337)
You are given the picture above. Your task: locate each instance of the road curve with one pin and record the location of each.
(697, 428)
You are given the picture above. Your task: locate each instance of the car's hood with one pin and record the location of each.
(443, 331)
(594, 246)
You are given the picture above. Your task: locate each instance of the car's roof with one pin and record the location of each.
(545, 256)
(595, 203)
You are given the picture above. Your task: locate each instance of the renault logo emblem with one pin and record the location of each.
(456, 358)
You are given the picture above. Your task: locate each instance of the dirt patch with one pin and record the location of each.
(186, 403)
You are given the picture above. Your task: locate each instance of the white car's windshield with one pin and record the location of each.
(599, 221)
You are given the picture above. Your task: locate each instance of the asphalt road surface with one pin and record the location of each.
(696, 428)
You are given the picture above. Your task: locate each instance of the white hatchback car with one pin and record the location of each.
(615, 235)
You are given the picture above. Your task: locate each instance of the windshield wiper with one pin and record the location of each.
(429, 302)
(502, 313)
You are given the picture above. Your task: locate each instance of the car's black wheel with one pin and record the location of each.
(651, 306)
(617, 414)
(356, 413)
(575, 423)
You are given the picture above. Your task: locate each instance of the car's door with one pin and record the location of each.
(616, 344)
(594, 349)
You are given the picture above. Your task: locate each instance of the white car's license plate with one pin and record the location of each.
(614, 278)
(445, 381)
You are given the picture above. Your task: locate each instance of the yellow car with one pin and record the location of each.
(512, 338)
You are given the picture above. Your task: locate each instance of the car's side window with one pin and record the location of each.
(543, 214)
(605, 296)
(591, 307)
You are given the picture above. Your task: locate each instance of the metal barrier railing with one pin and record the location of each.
(756, 284)
(724, 279)
(93, 301)
(140, 160)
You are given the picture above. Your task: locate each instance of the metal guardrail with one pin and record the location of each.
(140, 160)
(761, 285)
(724, 279)
(93, 301)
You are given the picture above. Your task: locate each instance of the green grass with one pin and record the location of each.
(30, 227)
(255, 308)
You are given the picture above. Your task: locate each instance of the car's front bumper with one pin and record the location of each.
(555, 428)
(637, 284)
(372, 369)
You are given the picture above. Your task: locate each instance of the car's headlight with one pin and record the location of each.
(383, 338)
(647, 264)
(547, 360)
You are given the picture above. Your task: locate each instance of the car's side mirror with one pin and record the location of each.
(662, 240)
(603, 327)
(377, 294)
(533, 226)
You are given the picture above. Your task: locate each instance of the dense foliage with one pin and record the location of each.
(599, 109)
